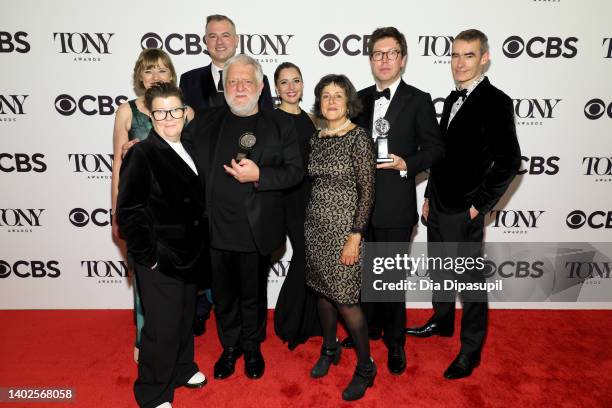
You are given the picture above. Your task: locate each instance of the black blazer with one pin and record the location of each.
(161, 209)
(482, 152)
(277, 154)
(200, 90)
(415, 136)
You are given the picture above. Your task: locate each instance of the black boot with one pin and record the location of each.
(328, 357)
(362, 379)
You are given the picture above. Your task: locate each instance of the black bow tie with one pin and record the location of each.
(454, 95)
(385, 93)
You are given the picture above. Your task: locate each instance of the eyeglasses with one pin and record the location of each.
(391, 55)
(176, 113)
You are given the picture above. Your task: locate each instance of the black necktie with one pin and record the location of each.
(220, 84)
(454, 95)
(385, 93)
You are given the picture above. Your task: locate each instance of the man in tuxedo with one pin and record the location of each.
(414, 144)
(482, 157)
(248, 156)
(203, 87)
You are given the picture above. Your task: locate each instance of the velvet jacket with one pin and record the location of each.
(415, 136)
(276, 153)
(161, 209)
(482, 152)
(200, 90)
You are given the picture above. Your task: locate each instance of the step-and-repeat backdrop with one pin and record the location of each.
(66, 66)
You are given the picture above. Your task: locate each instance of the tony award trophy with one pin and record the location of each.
(382, 147)
(245, 144)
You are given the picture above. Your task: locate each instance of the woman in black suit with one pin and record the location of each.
(160, 210)
(295, 316)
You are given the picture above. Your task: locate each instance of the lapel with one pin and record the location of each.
(212, 133)
(174, 162)
(398, 102)
(445, 115)
(209, 89)
(262, 129)
(368, 108)
(467, 106)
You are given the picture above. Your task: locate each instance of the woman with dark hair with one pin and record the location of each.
(295, 315)
(132, 124)
(341, 170)
(161, 214)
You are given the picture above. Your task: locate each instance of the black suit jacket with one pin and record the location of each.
(277, 154)
(415, 136)
(482, 152)
(200, 90)
(161, 209)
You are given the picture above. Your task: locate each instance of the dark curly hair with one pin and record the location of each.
(163, 90)
(385, 32)
(353, 104)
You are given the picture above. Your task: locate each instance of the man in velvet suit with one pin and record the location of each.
(482, 157)
(245, 206)
(203, 87)
(414, 144)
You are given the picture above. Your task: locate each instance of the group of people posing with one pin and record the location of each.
(219, 179)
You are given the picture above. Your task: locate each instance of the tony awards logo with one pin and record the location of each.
(245, 145)
(382, 128)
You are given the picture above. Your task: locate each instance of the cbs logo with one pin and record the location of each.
(538, 47)
(100, 217)
(16, 42)
(596, 220)
(352, 44)
(537, 165)
(88, 105)
(22, 162)
(596, 108)
(27, 269)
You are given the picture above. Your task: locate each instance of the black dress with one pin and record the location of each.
(295, 316)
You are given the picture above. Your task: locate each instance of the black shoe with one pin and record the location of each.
(328, 357)
(224, 367)
(199, 325)
(362, 379)
(348, 343)
(396, 359)
(461, 367)
(431, 328)
(254, 363)
(375, 333)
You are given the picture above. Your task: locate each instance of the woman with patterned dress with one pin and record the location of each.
(341, 170)
(132, 124)
(295, 314)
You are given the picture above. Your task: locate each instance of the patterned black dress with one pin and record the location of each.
(341, 170)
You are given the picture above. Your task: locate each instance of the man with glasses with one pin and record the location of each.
(414, 144)
(203, 87)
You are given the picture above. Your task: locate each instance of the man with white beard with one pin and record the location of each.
(247, 157)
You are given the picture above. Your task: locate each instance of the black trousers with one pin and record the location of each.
(166, 346)
(467, 233)
(239, 284)
(389, 316)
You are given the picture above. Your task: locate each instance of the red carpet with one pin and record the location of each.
(532, 359)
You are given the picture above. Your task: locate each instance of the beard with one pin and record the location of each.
(242, 110)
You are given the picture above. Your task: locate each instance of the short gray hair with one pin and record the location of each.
(245, 60)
